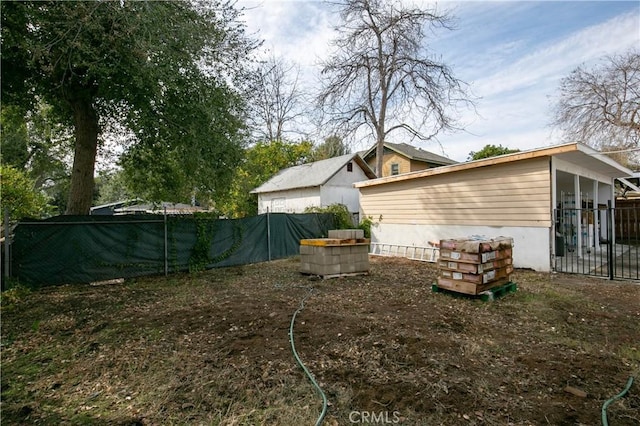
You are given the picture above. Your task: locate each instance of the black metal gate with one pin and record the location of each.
(601, 241)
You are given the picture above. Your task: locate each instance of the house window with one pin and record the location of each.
(395, 168)
(349, 166)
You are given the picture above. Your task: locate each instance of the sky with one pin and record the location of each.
(512, 54)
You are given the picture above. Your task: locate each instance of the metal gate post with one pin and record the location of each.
(611, 239)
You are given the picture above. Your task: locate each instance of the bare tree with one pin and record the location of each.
(383, 75)
(601, 106)
(278, 100)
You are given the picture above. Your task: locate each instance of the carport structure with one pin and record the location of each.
(590, 230)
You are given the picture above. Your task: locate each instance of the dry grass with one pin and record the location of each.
(212, 348)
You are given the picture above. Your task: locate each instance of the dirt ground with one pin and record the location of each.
(213, 348)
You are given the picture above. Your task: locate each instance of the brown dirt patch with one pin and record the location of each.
(213, 348)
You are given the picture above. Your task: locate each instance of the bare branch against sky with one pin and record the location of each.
(384, 77)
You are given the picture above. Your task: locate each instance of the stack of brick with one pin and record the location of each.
(344, 252)
(474, 265)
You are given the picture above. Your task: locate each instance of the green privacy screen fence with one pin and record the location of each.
(83, 249)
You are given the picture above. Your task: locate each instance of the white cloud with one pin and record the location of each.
(299, 31)
(557, 59)
(512, 53)
(516, 101)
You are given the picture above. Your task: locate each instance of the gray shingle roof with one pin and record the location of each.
(413, 153)
(310, 174)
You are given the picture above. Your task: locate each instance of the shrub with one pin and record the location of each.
(343, 218)
(19, 195)
(340, 212)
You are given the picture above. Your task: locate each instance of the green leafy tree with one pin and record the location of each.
(261, 162)
(333, 146)
(491, 151)
(36, 143)
(19, 196)
(14, 143)
(167, 70)
(112, 187)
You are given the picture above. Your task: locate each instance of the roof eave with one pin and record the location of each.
(411, 157)
(602, 156)
(506, 158)
(364, 166)
(255, 191)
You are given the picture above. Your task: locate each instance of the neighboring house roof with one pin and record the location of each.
(311, 174)
(159, 208)
(573, 152)
(413, 153)
(109, 209)
(630, 185)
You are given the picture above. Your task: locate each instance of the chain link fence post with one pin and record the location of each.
(166, 245)
(268, 234)
(7, 244)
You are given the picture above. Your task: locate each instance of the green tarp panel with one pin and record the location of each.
(82, 249)
(288, 229)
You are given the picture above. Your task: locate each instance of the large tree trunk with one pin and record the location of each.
(84, 160)
(380, 144)
(379, 156)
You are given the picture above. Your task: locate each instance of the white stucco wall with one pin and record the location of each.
(291, 201)
(531, 244)
(346, 178)
(340, 189)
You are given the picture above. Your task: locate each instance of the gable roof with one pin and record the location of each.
(572, 152)
(413, 153)
(311, 174)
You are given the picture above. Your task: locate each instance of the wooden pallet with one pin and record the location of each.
(481, 279)
(425, 254)
(498, 292)
(488, 295)
(460, 286)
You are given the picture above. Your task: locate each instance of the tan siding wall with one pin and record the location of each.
(389, 159)
(512, 194)
(404, 163)
(418, 165)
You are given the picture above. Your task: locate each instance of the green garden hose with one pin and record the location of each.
(301, 364)
(605, 422)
